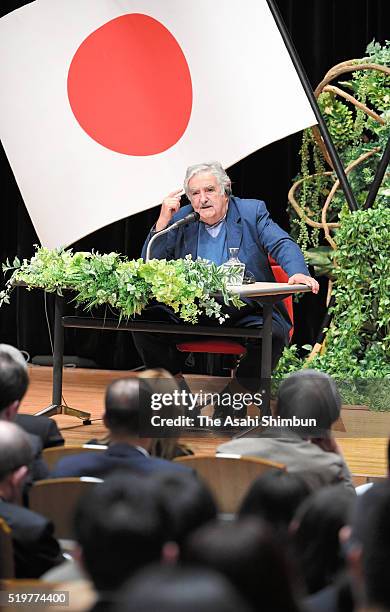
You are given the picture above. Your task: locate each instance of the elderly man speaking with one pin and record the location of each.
(225, 222)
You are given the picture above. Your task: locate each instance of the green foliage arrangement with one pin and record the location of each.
(358, 342)
(357, 350)
(357, 346)
(356, 133)
(127, 286)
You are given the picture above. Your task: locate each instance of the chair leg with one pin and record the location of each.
(210, 364)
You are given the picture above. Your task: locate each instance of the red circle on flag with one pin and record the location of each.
(129, 86)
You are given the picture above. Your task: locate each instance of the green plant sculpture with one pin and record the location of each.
(357, 258)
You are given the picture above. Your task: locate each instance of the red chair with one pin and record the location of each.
(281, 277)
(223, 346)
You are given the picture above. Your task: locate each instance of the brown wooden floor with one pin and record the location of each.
(363, 442)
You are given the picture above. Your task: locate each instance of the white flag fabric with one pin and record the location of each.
(104, 103)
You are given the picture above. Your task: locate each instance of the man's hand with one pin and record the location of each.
(169, 207)
(302, 279)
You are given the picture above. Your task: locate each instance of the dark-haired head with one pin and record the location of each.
(120, 527)
(177, 589)
(367, 547)
(376, 553)
(246, 552)
(275, 497)
(188, 502)
(315, 532)
(310, 394)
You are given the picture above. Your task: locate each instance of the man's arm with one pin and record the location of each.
(283, 249)
(169, 207)
(35, 548)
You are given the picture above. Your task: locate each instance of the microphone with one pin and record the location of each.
(194, 216)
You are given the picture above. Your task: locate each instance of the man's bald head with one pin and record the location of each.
(15, 449)
(126, 398)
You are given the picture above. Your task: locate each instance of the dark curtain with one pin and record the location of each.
(324, 32)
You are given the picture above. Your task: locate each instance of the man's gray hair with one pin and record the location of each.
(214, 168)
(14, 353)
(15, 449)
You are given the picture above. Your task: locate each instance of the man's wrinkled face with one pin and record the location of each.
(206, 198)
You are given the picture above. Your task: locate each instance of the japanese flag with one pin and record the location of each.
(104, 103)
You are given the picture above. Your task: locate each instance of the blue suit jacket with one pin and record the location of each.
(249, 228)
(117, 456)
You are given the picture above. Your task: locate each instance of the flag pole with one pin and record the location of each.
(380, 172)
(338, 167)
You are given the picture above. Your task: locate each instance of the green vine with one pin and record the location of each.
(340, 118)
(357, 346)
(354, 134)
(187, 286)
(358, 341)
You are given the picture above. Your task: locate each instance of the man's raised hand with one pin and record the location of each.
(170, 205)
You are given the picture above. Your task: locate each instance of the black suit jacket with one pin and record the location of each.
(41, 426)
(35, 548)
(38, 467)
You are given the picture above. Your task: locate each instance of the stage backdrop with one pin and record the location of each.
(122, 96)
(325, 32)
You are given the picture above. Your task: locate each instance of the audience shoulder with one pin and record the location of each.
(29, 525)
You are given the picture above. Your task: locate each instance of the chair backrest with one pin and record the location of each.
(363, 479)
(54, 454)
(56, 499)
(228, 476)
(281, 277)
(7, 566)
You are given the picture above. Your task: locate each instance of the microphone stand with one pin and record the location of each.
(153, 238)
(191, 218)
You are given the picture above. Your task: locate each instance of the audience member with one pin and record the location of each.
(275, 497)
(376, 554)
(178, 589)
(315, 532)
(188, 502)
(125, 400)
(41, 426)
(35, 549)
(120, 527)
(367, 549)
(13, 386)
(169, 446)
(248, 554)
(309, 450)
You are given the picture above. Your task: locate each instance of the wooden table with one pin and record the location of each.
(264, 293)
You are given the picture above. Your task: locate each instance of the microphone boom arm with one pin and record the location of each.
(153, 238)
(194, 216)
